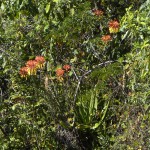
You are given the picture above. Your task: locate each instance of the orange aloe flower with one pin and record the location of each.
(40, 60)
(32, 66)
(23, 72)
(98, 12)
(66, 67)
(113, 26)
(60, 72)
(106, 38)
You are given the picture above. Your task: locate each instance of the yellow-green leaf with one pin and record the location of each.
(47, 8)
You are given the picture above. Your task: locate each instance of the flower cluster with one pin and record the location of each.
(98, 12)
(32, 66)
(113, 26)
(66, 67)
(40, 60)
(24, 71)
(60, 71)
(106, 38)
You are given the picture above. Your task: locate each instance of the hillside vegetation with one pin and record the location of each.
(74, 75)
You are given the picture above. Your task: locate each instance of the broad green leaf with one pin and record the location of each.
(2, 6)
(72, 11)
(47, 8)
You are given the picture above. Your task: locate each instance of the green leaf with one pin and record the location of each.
(125, 35)
(56, 1)
(104, 111)
(46, 27)
(70, 73)
(47, 8)
(72, 11)
(2, 6)
(73, 59)
(31, 57)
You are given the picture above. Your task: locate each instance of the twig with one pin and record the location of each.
(75, 74)
(76, 92)
(88, 72)
(99, 65)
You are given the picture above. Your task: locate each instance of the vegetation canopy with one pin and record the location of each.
(74, 75)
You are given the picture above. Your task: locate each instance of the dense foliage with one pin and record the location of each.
(74, 74)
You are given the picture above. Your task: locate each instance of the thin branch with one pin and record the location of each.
(76, 92)
(88, 72)
(99, 65)
(75, 74)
